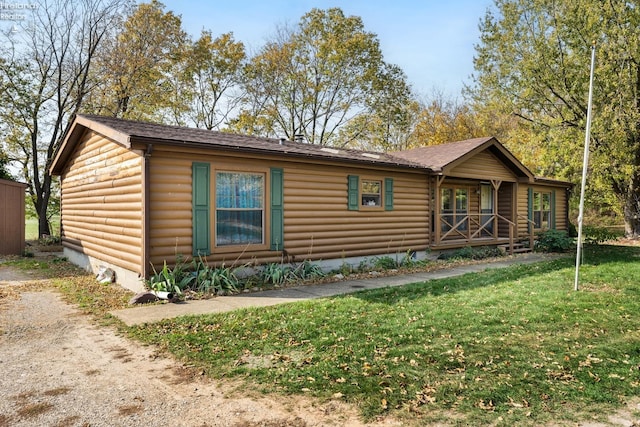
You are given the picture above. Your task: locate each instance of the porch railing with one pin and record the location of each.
(472, 226)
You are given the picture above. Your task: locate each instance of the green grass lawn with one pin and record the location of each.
(31, 228)
(504, 347)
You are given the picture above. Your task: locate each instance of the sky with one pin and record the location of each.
(431, 40)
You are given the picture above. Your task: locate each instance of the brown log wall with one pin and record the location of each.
(560, 206)
(485, 166)
(102, 202)
(317, 223)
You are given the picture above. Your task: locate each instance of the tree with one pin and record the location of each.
(533, 59)
(141, 69)
(391, 117)
(44, 77)
(4, 162)
(444, 119)
(214, 69)
(314, 79)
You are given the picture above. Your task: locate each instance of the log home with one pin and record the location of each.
(135, 195)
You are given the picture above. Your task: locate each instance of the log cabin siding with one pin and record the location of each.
(484, 165)
(561, 213)
(317, 223)
(559, 209)
(101, 202)
(506, 208)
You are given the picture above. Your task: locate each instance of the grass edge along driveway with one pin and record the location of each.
(503, 347)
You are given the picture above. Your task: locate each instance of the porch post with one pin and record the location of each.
(437, 226)
(495, 183)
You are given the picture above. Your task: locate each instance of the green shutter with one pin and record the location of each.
(353, 202)
(388, 194)
(201, 208)
(277, 209)
(530, 210)
(552, 214)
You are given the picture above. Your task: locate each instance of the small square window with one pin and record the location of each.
(371, 192)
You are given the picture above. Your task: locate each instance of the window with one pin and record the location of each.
(239, 215)
(453, 208)
(371, 192)
(239, 204)
(542, 210)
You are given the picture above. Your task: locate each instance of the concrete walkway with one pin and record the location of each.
(154, 313)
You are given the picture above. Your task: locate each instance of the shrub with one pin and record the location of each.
(275, 274)
(307, 271)
(197, 276)
(385, 263)
(174, 280)
(218, 280)
(409, 260)
(468, 252)
(49, 240)
(597, 235)
(553, 241)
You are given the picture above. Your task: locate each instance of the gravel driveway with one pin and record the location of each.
(60, 369)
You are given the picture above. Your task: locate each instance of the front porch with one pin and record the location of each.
(460, 234)
(478, 213)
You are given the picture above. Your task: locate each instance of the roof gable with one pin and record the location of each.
(445, 158)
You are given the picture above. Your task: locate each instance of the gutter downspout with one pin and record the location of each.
(146, 211)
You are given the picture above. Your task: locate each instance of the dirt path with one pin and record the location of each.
(59, 369)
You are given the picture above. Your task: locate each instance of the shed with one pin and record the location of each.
(12, 217)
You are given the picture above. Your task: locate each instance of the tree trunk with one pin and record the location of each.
(632, 208)
(42, 205)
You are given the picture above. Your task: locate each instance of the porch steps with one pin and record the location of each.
(518, 248)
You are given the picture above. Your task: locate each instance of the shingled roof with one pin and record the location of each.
(443, 157)
(436, 157)
(128, 132)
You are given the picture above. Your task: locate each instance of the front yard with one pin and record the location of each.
(514, 346)
(505, 347)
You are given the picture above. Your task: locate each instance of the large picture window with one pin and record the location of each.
(239, 199)
(542, 210)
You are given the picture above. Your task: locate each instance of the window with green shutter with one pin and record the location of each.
(367, 193)
(238, 203)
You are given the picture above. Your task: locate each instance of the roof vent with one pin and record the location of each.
(282, 141)
(298, 137)
(330, 150)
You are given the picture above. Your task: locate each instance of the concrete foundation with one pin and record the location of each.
(125, 278)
